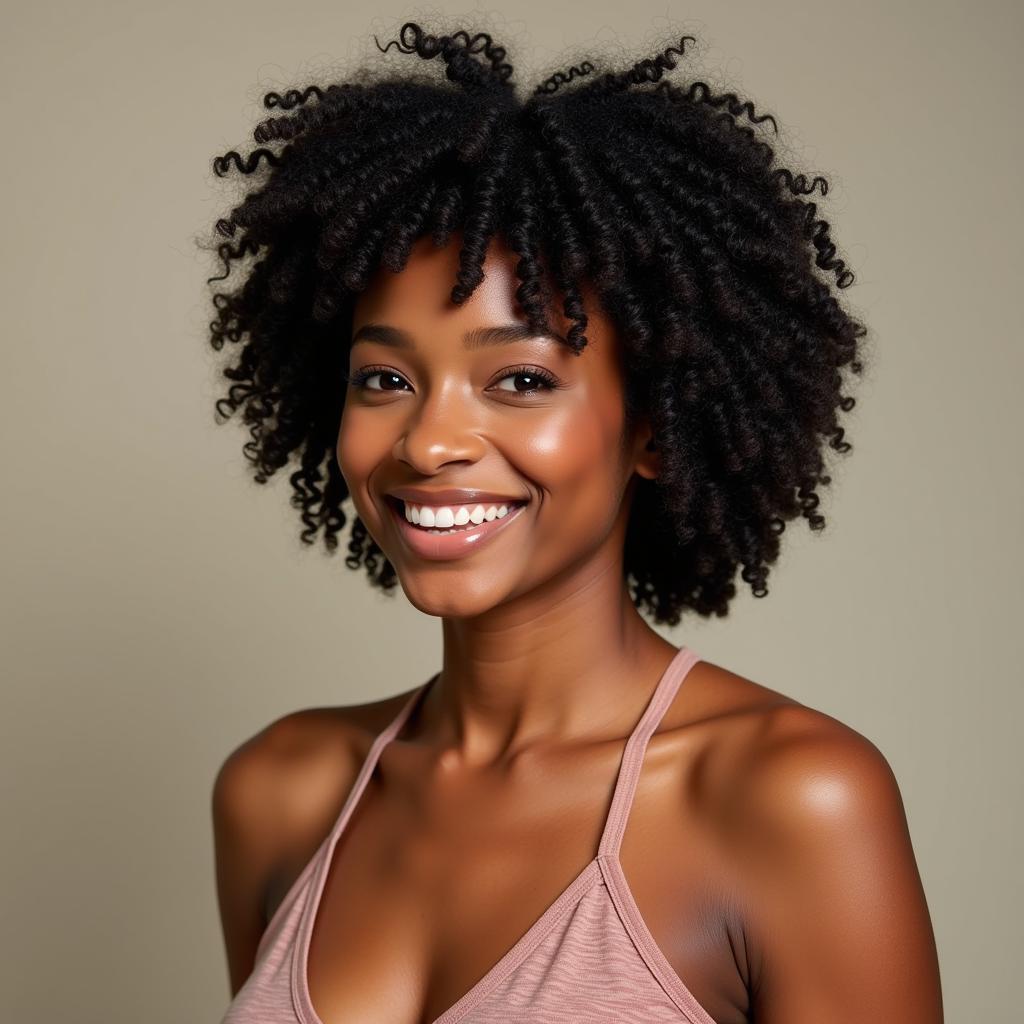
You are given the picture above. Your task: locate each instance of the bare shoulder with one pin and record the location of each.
(277, 793)
(811, 821)
(777, 773)
(274, 799)
(776, 754)
(799, 766)
(292, 769)
(815, 791)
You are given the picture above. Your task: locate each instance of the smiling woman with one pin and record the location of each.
(474, 397)
(700, 250)
(573, 358)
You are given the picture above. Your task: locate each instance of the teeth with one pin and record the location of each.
(445, 517)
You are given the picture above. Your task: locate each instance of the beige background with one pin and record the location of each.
(158, 608)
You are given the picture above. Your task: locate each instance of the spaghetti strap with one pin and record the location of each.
(382, 739)
(629, 768)
(405, 711)
(636, 746)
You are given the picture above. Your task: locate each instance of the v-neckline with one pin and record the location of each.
(626, 780)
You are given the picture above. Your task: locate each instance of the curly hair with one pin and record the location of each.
(701, 254)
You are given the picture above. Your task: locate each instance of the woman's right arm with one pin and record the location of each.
(247, 846)
(274, 800)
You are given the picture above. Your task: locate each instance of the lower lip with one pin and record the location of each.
(439, 546)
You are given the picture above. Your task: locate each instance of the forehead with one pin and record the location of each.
(417, 302)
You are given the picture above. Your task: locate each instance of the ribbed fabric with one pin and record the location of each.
(588, 959)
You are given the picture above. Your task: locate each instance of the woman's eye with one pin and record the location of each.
(536, 380)
(388, 379)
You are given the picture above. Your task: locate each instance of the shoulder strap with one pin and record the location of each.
(382, 739)
(636, 746)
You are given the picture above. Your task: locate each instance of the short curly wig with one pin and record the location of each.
(702, 255)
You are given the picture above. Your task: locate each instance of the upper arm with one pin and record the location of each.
(246, 846)
(838, 923)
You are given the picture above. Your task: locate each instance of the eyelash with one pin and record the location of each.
(359, 379)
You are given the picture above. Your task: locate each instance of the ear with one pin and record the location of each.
(647, 458)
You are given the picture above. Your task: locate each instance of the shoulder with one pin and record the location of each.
(281, 783)
(810, 780)
(810, 815)
(274, 798)
(788, 771)
(782, 762)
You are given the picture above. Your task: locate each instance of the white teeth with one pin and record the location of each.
(443, 517)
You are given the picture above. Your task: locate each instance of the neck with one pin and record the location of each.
(524, 676)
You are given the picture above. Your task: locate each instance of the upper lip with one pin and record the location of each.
(449, 496)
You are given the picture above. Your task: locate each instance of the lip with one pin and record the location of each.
(442, 547)
(452, 496)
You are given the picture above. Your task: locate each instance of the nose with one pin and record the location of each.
(441, 429)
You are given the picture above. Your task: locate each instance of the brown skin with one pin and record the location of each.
(767, 848)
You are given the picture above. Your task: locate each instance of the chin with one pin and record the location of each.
(445, 599)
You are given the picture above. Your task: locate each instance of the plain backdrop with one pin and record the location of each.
(158, 607)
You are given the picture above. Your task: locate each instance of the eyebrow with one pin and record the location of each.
(479, 337)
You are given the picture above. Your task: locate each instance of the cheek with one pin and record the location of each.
(573, 459)
(359, 449)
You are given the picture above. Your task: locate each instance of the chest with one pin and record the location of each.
(433, 892)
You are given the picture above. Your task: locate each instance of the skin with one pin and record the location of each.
(767, 847)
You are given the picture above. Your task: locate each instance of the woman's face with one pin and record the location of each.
(436, 411)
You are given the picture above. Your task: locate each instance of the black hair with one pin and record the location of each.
(701, 253)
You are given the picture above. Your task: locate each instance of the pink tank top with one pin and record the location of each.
(588, 959)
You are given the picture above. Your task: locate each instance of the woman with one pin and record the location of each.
(570, 360)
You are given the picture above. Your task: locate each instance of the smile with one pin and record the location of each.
(454, 542)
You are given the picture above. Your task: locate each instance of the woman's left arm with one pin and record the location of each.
(839, 925)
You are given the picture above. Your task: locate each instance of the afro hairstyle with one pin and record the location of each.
(711, 264)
